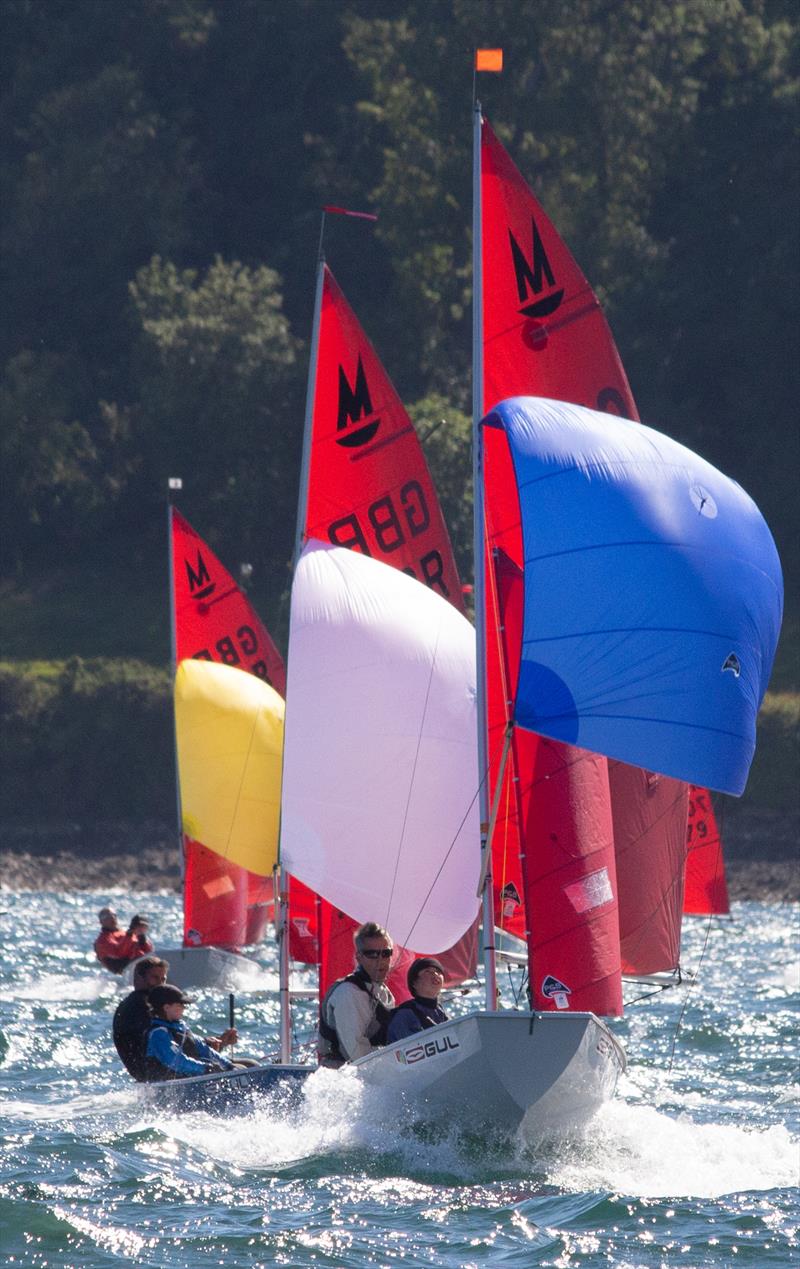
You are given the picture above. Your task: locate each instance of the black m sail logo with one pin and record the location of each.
(531, 276)
(355, 404)
(200, 583)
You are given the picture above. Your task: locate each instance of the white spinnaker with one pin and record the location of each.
(379, 811)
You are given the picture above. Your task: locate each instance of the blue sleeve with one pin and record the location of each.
(163, 1048)
(210, 1055)
(402, 1023)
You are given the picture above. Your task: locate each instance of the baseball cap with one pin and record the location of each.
(168, 995)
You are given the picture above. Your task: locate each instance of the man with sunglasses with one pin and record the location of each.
(355, 1011)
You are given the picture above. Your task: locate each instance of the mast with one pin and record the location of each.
(479, 553)
(282, 878)
(174, 483)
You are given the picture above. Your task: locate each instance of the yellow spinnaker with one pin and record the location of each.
(229, 728)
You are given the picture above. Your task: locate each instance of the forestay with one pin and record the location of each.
(379, 807)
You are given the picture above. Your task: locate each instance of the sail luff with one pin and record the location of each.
(308, 422)
(282, 923)
(479, 558)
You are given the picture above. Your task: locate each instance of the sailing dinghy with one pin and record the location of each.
(229, 679)
(380, 791)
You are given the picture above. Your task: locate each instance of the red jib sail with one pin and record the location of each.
(369, 489)
(224, 905)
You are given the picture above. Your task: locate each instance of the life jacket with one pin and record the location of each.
(130, 1030)
(328, 1049)
(428, 1017)
(154, 1070)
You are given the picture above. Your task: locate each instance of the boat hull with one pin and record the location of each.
(210, 967)
(538, 1073)
(232, 1090)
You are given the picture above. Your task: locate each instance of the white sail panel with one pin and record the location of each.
(379, 809)
(229, 729)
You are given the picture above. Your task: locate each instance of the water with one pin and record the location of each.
(690, 1167)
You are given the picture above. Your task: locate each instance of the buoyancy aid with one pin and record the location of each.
(328, 1049)
(154, 1070)
(429, 1013)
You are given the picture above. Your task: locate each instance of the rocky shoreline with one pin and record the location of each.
(761, 856)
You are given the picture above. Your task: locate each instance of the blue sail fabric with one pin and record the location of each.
(653, 594)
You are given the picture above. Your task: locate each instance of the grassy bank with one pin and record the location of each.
(84, 740)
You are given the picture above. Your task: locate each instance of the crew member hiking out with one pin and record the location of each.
(355, 1010)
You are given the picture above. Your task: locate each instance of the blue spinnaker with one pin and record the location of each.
(653, 594)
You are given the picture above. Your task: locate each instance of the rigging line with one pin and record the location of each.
(413, 776)
(440, 869)
(692, 982)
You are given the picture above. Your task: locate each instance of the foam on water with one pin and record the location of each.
(60, 988)
(693, 1164)
(640, 1151)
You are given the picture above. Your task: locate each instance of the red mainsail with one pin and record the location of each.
(706, 892)
(544, 334)
(369, 489)
(650, 837)
(224, 905)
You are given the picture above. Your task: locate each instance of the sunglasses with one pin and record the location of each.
(372, 953)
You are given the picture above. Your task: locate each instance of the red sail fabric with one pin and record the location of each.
(544, 334)
(337, 956)
(534, 295)
(214, 619)
(544, 331)
(369, 489)
(223, 905)
(706, 891)
(569, 867)
(650, 833)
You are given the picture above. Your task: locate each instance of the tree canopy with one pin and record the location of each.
(162, 168)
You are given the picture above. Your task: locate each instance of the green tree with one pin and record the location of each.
(219, 401)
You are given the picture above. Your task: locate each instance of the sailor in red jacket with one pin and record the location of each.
(116, 948)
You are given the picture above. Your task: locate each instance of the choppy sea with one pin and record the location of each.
(695, 1162)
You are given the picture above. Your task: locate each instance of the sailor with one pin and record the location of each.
(133, 1016)
(355, 1010)
(172, 1051)
(425, 980)
(116, 948)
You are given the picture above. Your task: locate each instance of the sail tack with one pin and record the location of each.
(653, 595)
(379, 809)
